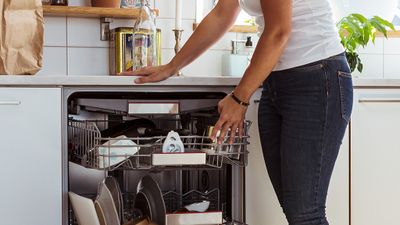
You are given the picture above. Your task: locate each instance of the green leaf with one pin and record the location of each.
(355, 30)
(367, 34)
(360, 66)
(379, 27)
(360, 17)
(385, 22)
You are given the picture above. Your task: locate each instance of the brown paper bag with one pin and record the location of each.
(21, 36)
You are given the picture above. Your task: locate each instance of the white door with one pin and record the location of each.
(375, 157)
(262, 206)
(30, 161)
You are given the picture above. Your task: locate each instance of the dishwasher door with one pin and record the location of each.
(190, 109)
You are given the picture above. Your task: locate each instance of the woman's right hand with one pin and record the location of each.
(152, 74)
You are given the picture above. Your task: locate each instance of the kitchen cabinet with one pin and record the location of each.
(375, 155)
(262, 206)
(338, 200)
(30, 134)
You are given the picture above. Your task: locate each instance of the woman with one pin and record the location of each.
(306, 101)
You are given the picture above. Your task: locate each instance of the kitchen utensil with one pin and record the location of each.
(130, 128)
(164, 132)
(107, 205)
(84, 210)
(173, 143)
(150, 201)
(116, 194)
(116, 151)
(198, 206)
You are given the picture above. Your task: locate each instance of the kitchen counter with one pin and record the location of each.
(11, 80)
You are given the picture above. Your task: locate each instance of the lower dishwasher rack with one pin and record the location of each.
(88, 148)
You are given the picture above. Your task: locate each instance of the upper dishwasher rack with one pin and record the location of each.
(88, 148)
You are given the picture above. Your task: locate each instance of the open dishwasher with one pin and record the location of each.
(124, 134)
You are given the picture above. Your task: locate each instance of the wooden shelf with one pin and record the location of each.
(392, 34)
(81, 11)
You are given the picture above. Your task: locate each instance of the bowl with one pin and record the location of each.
(198, 206)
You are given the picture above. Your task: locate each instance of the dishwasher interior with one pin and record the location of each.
(124, 135)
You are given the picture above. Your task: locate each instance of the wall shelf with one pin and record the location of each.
(96, 12)
(237, 28)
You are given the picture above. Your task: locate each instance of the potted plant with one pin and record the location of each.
(356, 30)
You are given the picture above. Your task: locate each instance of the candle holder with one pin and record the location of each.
(178, 38)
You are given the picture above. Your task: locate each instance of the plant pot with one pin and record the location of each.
(106, 3)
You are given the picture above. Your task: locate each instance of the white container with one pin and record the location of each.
(234, 65)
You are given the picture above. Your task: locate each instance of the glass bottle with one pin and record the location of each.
(145, 38)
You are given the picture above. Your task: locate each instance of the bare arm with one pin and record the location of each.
(278, 21)
(209, 31)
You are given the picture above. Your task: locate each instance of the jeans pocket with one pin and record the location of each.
(346, 94)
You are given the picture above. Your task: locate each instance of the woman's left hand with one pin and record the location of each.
(231, 117)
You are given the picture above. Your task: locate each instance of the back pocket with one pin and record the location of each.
(346, 94)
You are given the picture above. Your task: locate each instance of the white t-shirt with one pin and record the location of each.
(314, 35)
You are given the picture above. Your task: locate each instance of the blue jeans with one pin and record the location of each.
(303, 115)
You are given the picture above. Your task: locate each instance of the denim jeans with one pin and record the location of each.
(303, 115)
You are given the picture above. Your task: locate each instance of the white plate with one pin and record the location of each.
(110, 155)
(84, 210)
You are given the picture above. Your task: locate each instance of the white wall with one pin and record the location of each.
(73, 46)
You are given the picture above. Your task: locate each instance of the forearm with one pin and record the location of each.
(210, 30)
(266, 55)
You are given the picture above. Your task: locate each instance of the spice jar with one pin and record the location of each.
(59, 2)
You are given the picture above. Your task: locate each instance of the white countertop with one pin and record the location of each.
(12, 80)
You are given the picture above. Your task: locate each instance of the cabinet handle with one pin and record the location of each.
(379, 100)
(10, 102)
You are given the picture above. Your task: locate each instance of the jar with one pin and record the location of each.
(130, 3)
(59, 2)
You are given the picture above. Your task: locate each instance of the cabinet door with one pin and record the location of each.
(338, 200)
(375, 156)
(30, 161)
(262, 206)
